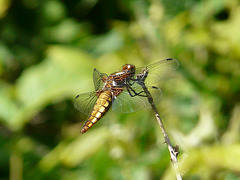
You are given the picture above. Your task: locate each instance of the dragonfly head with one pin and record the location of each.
(128, 68)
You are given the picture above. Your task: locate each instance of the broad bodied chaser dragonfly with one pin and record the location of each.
(123, 90)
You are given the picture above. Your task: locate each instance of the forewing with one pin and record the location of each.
(124, 103)
(85, 102)
(98, 79)
(158, 71)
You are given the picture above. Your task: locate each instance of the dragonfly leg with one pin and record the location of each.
(133, 93)
(139, 79)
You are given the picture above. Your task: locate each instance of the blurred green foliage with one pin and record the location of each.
(48, 50)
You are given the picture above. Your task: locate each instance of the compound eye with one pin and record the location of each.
(128, 67)
(125, 67)
(132, 69)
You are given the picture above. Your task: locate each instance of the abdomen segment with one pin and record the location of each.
(102, 105)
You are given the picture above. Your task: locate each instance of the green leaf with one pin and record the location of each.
(8, 106)
(63, 74)
(73, 153)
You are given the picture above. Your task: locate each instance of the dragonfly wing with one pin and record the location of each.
(158, 71)
(85, 102)
(98, 79)
(124, 103)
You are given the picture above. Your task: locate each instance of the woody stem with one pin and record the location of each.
(174, 151)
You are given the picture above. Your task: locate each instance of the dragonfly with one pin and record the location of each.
(122, 91)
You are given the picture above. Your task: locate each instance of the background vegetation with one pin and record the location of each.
(48, 50)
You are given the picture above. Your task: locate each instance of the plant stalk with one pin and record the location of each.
(173, 150)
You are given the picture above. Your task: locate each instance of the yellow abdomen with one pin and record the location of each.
(103, 103)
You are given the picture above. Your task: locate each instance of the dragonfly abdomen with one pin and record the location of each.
(102, 105)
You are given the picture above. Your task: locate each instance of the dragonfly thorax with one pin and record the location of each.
(119, 83)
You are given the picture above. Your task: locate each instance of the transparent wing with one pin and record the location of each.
(85, 102)
(158, 71)
(124, 103)
(98, 79)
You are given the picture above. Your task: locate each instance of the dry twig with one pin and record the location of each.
(173, 150)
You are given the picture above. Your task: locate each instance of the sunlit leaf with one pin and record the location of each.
(73, 153)
(8, 106)
(61, 75)
(207, 158)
